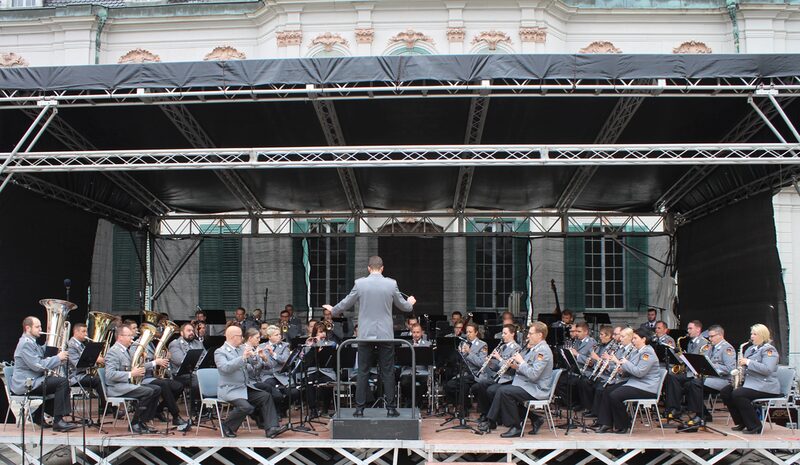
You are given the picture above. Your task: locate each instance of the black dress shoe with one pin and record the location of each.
(62, 426)
(512, 432)
(392, 412)
(622, 431)
(149, 429)
(227, 432)
(136, 428)
(537, 425)
(359, 412)
(487, 426)
(746, 431)
(695, 421)
(738, 428)
(482, 418)
(603, 429)
(272, 431)
(178, 421)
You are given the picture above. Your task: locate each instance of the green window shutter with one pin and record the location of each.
(520, 247)
(574, 273)
(299, 291)
(221, 273)
(126, 270)
(472, 243)
(636, 285)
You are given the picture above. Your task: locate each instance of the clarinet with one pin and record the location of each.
(617, 367)
(600, 368)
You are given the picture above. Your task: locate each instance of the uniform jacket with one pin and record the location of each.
(535, 373)
(375, 295)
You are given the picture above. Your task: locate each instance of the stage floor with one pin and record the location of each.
(645, 445)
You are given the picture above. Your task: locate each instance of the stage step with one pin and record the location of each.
(376, 425)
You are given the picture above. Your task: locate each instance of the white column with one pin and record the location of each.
(787, 230)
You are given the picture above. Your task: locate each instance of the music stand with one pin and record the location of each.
(189, 362)
(463, 368)
(296, 342)
(290, 368)
(573, 367)
(88, 359)
(208, 360)
(701, 367)
(212, 343)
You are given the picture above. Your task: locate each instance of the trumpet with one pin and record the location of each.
(489, 358)
(284, 327)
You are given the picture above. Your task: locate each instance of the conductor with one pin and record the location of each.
(375, 295)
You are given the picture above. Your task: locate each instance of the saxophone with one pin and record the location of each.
(738, 373)
(678, 369)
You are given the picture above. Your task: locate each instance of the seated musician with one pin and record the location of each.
(676, 386)
(333, 329)
(581, 349)
(474, 352)
(30, 375)
(643, 375)
(274, 353)
(759, 368)
(170, 389)
(319, 376)
(422, 372)
(533, 379)
(723, 357)
(120, 372)
(81, 376)
(178, 348)
(234, 386)
(488, 382)
(623, 346)
(585, 385)
(662, 334)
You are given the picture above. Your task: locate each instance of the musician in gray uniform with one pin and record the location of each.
(474, 352)
(170, 389)
(760, 368)
(722, 356)
(177, 353)
(585, 385)
(336, 332)
(119, 374)
(609, 377)
(80, 376)
(650, 324)
(320, 378)
(422, 372)
(274, 353)
(488, 382)
(644, 375)
(532, 380)
(662, 334)
(235, 388)
(375, 295)
(30, 374)
(676, 387)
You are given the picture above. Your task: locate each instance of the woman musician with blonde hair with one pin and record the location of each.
(759, 367)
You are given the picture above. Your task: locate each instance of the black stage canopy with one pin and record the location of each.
(423, 101)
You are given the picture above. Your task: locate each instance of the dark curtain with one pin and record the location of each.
(42, 242)
(729, 272)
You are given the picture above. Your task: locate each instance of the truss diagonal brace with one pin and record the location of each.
(178, 266)
(615, 124)
(332, 129)
(188, 125)
(24, 138)
(75, 141)
(476, 121)
(53, 191)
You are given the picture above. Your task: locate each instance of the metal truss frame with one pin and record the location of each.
(405, 156)
(188, 125)
(329, 122)
(476, 121)
(366, 452)
(74, 140)
(671, 87)
(615, 124)
(441, 223)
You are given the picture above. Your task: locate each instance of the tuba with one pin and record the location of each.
(139, 358)
(167, 330)
(150, 317)
(58, 325)
(99, 327)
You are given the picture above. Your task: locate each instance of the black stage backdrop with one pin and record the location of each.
(42, 242)
(729, 272)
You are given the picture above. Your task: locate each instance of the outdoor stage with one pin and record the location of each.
(645, 446)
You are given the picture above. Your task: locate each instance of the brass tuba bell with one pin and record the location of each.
(98, 325)
(58, 325)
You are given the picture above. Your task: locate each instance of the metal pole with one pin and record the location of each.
(783, 115)
(766, 120)
(25, 136)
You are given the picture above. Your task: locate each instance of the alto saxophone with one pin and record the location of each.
(738, 373)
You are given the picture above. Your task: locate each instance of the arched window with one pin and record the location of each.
(402, 50)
